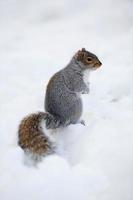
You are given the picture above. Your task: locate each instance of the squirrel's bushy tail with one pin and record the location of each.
(32, 137)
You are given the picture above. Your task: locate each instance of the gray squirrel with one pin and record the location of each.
(64, 89)
(63, 105)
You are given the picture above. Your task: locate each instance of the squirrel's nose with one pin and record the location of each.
(98, 64)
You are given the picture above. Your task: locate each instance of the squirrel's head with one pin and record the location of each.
(87, 59)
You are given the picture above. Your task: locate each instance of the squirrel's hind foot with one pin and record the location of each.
(82, 122)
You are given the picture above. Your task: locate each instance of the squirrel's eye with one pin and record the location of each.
(89, 59)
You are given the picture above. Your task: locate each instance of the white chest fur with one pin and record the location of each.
(86, 76)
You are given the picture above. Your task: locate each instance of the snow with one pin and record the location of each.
(37, 38)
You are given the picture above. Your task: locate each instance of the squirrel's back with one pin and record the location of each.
(31, 137)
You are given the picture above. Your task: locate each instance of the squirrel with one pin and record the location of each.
(62, 99)
(63, 105)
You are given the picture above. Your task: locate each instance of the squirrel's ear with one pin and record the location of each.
(83, 49)
(80, 55)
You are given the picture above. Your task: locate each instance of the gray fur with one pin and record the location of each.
(63, 99)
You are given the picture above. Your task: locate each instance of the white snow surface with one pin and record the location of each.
(37, 38)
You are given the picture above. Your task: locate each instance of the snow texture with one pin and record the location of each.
(37, 38)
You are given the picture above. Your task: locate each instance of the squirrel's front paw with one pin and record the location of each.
(86, 90)
(82, 122)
